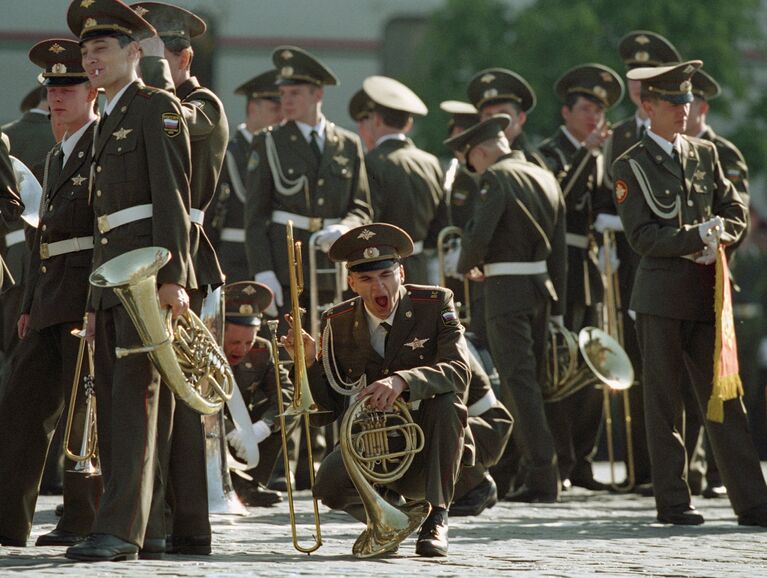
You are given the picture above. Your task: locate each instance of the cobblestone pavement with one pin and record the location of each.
(588, 534)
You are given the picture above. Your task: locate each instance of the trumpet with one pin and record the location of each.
(87, 461)
(447, 237)
(303, 404)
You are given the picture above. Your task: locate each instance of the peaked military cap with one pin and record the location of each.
(596, 80)
(671, 83)
(245, 301)
(644, 48)
(371, 247)
(499, 85)
(33, 97)
(95, 18)
(462, 114)
(296, 66)
(360, 105)
(61, 61)
(479, 133)
(262, 86)
(171, 22)
(704, 85)
(390, 93)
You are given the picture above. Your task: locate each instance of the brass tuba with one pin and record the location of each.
(365, 435)
(604, 362)
(184, 352)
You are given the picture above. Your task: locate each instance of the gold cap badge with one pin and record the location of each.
(56, 48)
(366, 234)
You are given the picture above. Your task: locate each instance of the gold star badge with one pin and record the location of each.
(122, 134)
(56, 48)
(487, 78)
(78, 180)
(698, 175)
(417, 343)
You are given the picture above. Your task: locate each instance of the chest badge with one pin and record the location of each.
(78, 180)
(122, 134)
(417, 343)
(341, 160)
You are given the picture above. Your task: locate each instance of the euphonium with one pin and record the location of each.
(364, 437)
(605, 362)
(184, 352)
(87, 461)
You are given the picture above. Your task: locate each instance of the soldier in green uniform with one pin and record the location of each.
(140, 170)
(225, 222)
(405, 181)
(676, 206)
(637, 48)
(306, 170)
(517, 238)
(407, 341)
(166, 63)
(702, 462)
(251, 359)
(54, 304)
(501, 91)
(574, 155)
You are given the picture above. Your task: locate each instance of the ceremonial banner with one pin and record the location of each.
(727, 384)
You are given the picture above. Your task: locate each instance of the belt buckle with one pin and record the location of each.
(103, 224)
(44, 253)
(315, 224)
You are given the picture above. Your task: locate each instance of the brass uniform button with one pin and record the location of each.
(104, 240)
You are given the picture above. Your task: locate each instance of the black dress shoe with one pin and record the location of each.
(5, 541)
(590, 484)
(756, 516)
(483, 495)
(190, 545)
(712, 492)
(432, 539)
(102, 548)
(687, 517)
(59, 538)
(531, 496)
(59, 511)
(644, 490)
(256, 495)
(152, 549)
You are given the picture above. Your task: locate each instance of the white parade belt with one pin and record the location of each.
(14, 238)
(580, 241)
(482, 404)
(48, 250)
(119, 218)
(233, 235)
(311, 224)
(510, 268)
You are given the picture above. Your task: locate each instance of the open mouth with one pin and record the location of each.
(382, 302)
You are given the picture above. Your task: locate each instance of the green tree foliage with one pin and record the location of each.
(544, 38)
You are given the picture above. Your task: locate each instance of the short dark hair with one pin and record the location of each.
(394, 118)
(123, 39)
(572, 98)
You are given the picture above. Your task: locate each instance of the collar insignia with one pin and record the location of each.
(417, 343)
(122, 134)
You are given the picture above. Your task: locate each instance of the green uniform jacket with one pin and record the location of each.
(581, 176)
(208, 132)
(531, 153)
(519, 217)
(11, 206)
(732, 161)
(405, 186)
(425, 347)
(57, 290)
(256, 379)
(142, 157)
(660, 209)
(336, 188)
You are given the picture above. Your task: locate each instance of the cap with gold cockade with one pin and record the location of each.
(644, 48)
(61, 60)
(296, 66)
(263, 85)
(171, 22)
(596, 80)
(245, 301)
(498, 85)
(371, 247)
(671, 83)
(89, 19)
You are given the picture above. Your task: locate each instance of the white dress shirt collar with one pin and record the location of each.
(392, 136)
(378, 336)
(576, 143)
(245, 133)
(109, 106)
(68, 143)
(667, 146)
(306, 130)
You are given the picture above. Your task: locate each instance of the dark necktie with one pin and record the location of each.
(103, 121)
(642, 130)
(387, 328)
(314, 143)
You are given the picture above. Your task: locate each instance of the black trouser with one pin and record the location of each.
(38, 389)
(517, 342)
(669, 346)
(127, 391)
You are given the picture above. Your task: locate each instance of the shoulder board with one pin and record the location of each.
(342, 308)
(426, 292)
(261, 343)
(148, 91)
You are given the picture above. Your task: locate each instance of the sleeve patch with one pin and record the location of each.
(449, 317)
(171, 124)
(621, 191)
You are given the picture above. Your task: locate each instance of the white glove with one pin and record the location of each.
(605, 222)
(614, 261)
(269, 279)
(250, 454)
(711, 231)
(558, 320)
(451, 261)
(707, 256)
(327, 236)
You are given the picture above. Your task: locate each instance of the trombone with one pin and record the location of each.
(302, 405)
(613, 324)
(446, 239)
(87, 461)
